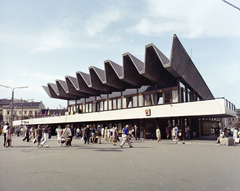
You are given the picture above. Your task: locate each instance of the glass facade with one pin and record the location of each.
(132, 98)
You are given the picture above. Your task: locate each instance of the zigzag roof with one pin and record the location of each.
(133, 74)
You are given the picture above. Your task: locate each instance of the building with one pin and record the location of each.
(3, 102)
(156, 92)
(22, 110)
(230, 122)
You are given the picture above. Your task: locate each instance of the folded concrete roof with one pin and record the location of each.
(133, 74)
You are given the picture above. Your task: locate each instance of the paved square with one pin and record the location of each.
(196, 165)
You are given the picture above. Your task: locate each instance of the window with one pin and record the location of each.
(114, 104)
(146, 100)
(174, 96)
(25, 112)
(7, 112)
(152, 99)
(105, 105)
(160, 98)
(119, 105)
(90, 107)
(167, 97)
(124, 102)
(129, 102)
(101, 106)
(110, 104)
(94, 109)
(20, 112)
(86, 107)
(140, 97)
(135, 104)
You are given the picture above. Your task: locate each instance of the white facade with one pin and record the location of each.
(210, 108)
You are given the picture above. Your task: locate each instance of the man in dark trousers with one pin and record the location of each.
(87, 134)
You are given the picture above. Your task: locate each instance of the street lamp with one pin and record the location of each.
(12, 99)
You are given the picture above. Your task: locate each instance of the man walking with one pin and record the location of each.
(5, 133)
(45, 136)
(87, 134)
(126, 137)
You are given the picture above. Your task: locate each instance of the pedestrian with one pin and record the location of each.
(102, 132)
(87, 134)
(8, 137)
(5, 134)
(114, 135)
(26, 134)
(99, 133)
(69, 136)
(136, 132)
(176, 133)
(78, 132)
(220, 136)
(133, 132)
(126, 137)
(235, 134)
(93, 135)
(167, 131)
(39, 133)
(158, 134)
(106, 134)
(45, 136)
(59, 134)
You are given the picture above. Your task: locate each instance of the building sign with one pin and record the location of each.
(148, 112)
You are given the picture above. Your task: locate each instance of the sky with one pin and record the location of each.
(42, 40)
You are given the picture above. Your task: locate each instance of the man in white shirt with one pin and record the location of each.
(5, 133)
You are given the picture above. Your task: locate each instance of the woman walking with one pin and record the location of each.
(46, 136)
(8, 137)
(158, 134)
(39, 136)
(59, 134)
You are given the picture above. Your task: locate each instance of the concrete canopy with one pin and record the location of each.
(133, 74)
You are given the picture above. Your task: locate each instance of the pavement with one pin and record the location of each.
(195, 165)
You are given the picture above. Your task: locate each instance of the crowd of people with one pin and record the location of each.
(42, 134)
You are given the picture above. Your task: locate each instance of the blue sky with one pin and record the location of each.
(42, 40)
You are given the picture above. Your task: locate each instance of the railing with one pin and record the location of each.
(228, 104)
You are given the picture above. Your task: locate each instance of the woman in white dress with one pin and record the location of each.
(59, 134)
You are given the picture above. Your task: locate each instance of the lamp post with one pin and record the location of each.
(11, 119)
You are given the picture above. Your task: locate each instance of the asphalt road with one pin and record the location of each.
(196, 165)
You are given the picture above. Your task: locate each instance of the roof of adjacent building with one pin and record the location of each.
(25, 105)
(133, 74)
(5, 101)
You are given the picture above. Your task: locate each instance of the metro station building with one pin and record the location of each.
(156, 92)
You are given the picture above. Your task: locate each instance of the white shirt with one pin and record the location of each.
(5, 128)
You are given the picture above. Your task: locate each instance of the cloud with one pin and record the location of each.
(189, 19)
(98, 22)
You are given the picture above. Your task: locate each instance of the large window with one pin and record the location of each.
(160, 98)
(110, 105)
(124, 103)
(129, 102)
(101, 106)
(140, 97)
(114, 104)
(167, 96)
(146, 100)
(152, 96)
(174, 96)
(119, 105)
(135, 99)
